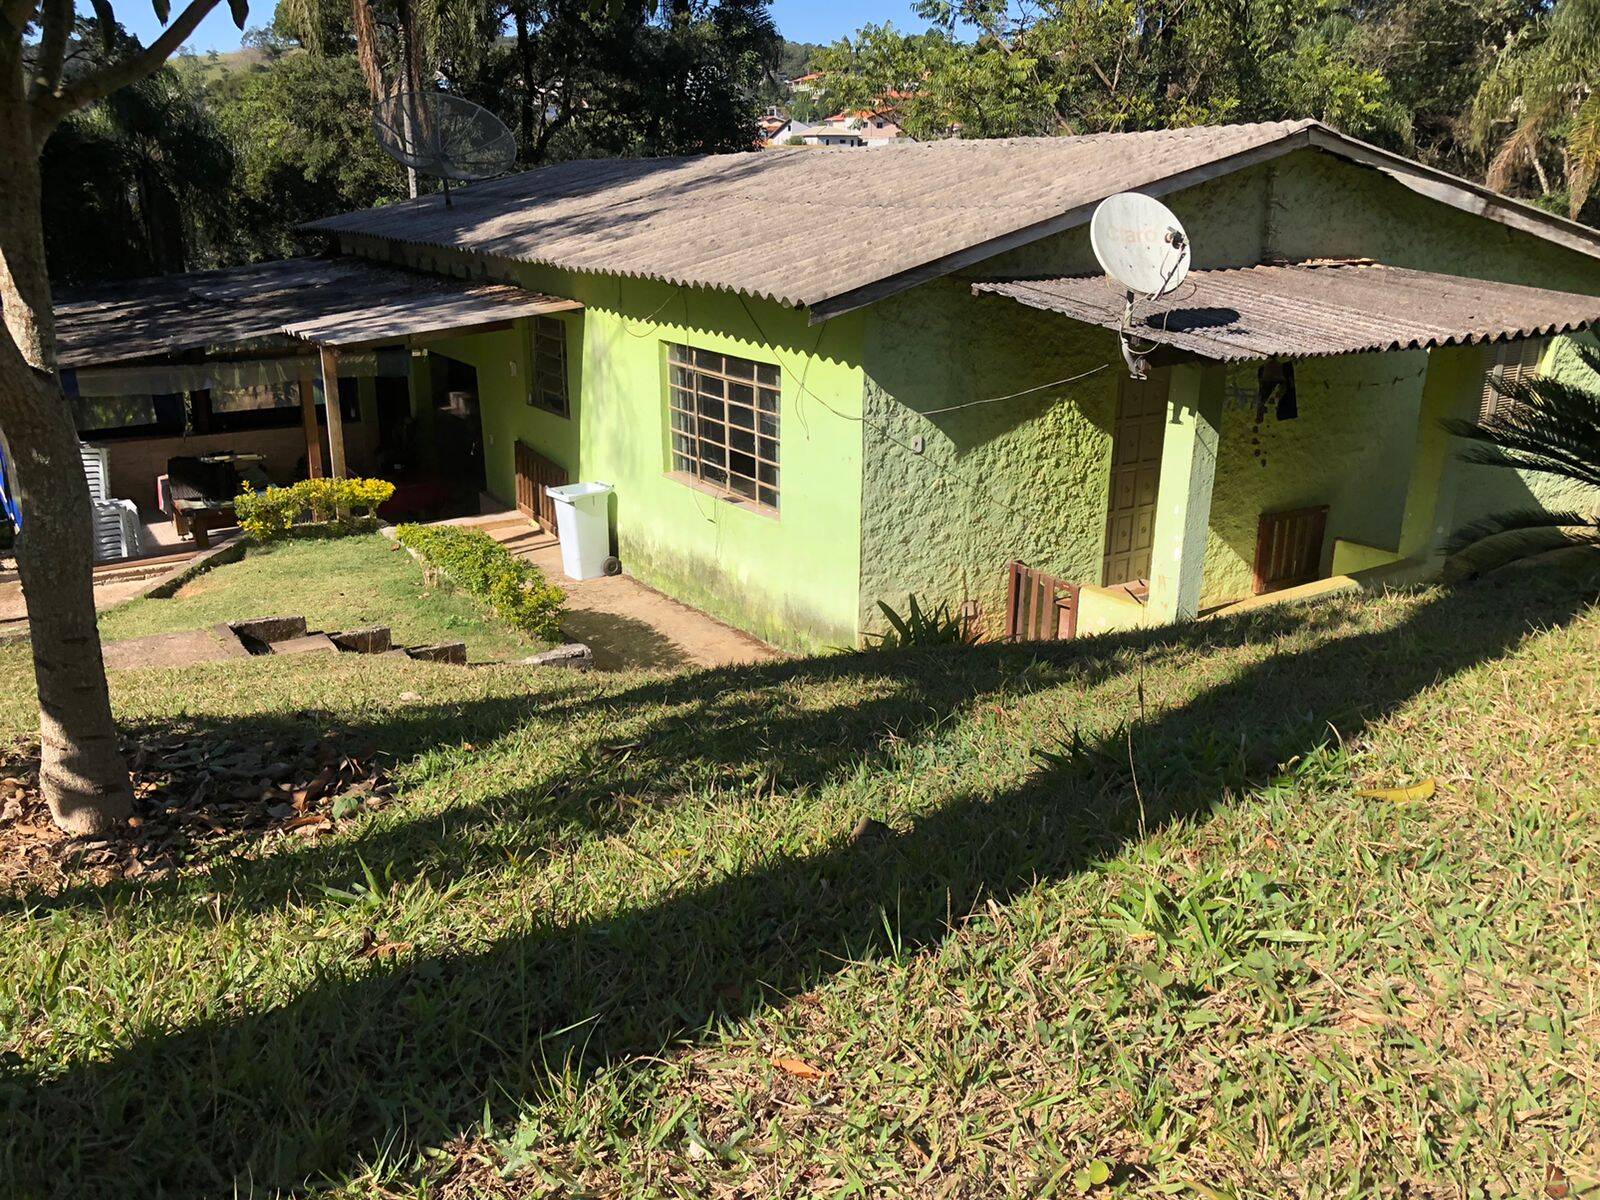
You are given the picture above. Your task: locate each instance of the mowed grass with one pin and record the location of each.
(1132, 911)
(341, 583)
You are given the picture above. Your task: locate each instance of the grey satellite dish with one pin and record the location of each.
(1140, 243)
(1144, 248)
(435, 133)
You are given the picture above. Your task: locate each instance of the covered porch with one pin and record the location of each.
(1288, 432)
(233, 370)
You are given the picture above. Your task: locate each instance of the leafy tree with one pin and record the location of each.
(1551, 427)
(1434, 54)
(630, 77)
(1090, 65)
(1542, 98)
(136, 183)
(303, 148)
(45, 80)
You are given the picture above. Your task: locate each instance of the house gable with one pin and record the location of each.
(1311, 205)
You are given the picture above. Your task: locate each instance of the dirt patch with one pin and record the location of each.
(195, 587)
(193, 799)
(626, 624)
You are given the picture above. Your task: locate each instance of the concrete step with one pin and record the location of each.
(312, 643)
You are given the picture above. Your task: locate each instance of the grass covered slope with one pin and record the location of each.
(1132, 911)
(337, 583)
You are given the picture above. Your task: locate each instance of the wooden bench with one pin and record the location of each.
(198, 518)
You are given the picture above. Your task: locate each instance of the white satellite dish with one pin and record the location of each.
(1144, 248)
(435, 133)
(1140, 243)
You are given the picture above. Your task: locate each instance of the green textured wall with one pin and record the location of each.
(1350, 448)
(1020, 478)
(793, 578)
(1309, 204)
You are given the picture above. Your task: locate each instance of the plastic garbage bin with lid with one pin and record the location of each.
(583, 528)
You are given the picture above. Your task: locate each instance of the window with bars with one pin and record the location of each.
(725, 422)
(1509, 362)
(548, 387)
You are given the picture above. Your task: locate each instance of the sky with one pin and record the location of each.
(798, 20)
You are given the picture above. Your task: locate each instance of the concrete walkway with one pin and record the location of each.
(625, 623)
(114, 582)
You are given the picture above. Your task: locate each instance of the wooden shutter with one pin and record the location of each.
(1289, 548)
(1039, 607)
(535, 472)
(1509, 362)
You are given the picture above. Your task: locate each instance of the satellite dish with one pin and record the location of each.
(1143, 247)
(1140, 243)
(435, 133)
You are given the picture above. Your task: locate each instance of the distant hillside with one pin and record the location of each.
(213, 65)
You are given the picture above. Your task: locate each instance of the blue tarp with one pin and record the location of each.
(8, 499)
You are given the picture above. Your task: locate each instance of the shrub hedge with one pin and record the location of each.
(517, 591)
(311, 507)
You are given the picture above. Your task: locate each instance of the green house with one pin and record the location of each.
(820, 379)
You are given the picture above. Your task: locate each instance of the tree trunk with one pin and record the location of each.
(525, 99)
(82, 773)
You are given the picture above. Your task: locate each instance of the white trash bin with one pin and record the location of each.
(583, 527)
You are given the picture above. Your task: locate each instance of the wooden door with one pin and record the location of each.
(1135, 478)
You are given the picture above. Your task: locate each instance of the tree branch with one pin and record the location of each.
(49, 110)
(55, 23)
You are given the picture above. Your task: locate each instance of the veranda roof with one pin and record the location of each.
(1311, 310)
(336, 302)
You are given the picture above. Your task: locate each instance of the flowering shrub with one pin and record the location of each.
(312, 506)
(517, 591)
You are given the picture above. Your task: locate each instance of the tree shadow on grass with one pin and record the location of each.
(732, 729)
(420, 1049)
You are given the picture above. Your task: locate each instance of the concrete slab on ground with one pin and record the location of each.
(625, 623)
(114, 582)
(217, 643)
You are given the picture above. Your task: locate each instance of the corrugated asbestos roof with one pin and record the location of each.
(1313, 310)
(331, 302)
(748, 222)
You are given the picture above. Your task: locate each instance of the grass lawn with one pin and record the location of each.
(1130, 918)
(341, 583)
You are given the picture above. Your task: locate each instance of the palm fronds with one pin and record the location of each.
(1540, 93)
(1550, 427)
(1514, 522)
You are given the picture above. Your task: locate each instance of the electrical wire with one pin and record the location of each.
(934, 412)
(888, 434)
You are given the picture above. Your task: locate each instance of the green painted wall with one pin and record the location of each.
(1020, 478)
(1350, 448)
(792, 578)
(1309, 204)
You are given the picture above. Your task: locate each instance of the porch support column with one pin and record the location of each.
(330, 401)
(1183, 502)
(308, 421)
(1451, 389)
